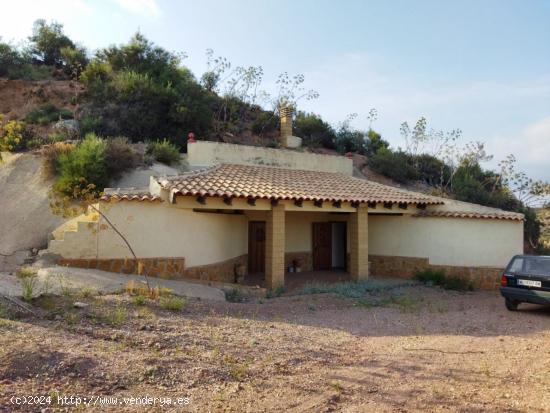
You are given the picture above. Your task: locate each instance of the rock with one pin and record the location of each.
(78, 304)
(69, 127)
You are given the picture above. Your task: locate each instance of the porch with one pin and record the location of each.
(296, 280)
(289, 247)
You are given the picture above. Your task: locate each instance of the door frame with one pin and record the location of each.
(330, 246)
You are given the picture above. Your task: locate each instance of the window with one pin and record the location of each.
(537, 265)
(516, 265)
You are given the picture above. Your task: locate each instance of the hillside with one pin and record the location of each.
(19, 97)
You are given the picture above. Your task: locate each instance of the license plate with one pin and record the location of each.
(530, 283)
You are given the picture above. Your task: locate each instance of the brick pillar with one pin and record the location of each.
(285, 114)
(275, 247)
(359, 244)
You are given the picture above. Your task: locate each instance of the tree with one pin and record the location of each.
(314, 130)
(47, 40)
(141, 91)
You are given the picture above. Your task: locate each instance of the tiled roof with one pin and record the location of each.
(142, 196)
(476, 215)
(244, 181)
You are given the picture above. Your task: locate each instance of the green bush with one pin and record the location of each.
(140, 90)
(374, 143)
(46, 114)
(83, 166)
(265, 122)
(430, 276)
(435, 277)
(277, 292)
(120, 156)
(90, 124)
(393, 164)
(164, 152)
(47, 41)
(350, 140)
(314, 131)
(172, 303)
(16, 64)
(50, 157)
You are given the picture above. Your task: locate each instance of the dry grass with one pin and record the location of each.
(400, 354)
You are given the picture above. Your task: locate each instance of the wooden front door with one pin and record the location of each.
(322, 246)
(256, 247)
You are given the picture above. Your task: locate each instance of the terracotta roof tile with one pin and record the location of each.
(142, 196)
(476, 215)
(243, 181)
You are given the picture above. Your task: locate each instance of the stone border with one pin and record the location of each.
(162, 267)
(486, 278)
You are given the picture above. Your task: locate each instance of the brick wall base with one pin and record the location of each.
(225, 271)
(165, 267)
(405, 267)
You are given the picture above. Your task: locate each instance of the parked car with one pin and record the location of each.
(526, 280)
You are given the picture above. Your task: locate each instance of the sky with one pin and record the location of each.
(479, 66)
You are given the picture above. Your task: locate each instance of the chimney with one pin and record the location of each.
(285, 113)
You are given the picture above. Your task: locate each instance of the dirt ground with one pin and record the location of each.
(415, 349)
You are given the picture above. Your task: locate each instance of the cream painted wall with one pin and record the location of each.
(298, 228)
(161, 230)
(158, 230)
(205, 153)
(447, 241)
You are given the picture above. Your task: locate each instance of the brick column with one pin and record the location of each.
(359, 243)
(275, 247)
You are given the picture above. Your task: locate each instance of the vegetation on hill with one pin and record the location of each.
(142, 92)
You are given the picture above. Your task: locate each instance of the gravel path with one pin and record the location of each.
(423, 350)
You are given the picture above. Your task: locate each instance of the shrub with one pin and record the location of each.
(349, 140)
(28, 280)
(393, 164)
(90, 124)
(115, 317)
(434, 277)
(277, 292)
(147, 91)
(430, 276)
(50, 157)
(47, 113)
(172, 303)
(120, 156)
(234, 295)
(164, 152)
(265, 122)
(46, 42)
(138, 300)
(314, 130)
(13, 136)
(374, 143)
(458, 284)
(29, 71)
(83, 166)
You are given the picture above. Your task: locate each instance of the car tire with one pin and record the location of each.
(511, 305)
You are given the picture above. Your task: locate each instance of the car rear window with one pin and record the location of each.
(537, 265)
(516, 265)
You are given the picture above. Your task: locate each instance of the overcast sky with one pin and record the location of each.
(480, 66)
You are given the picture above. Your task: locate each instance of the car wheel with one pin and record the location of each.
(511, 305)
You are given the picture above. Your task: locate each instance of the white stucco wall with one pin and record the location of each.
(158, 230)
(164, 230)
(205, 153)
(447, 241)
